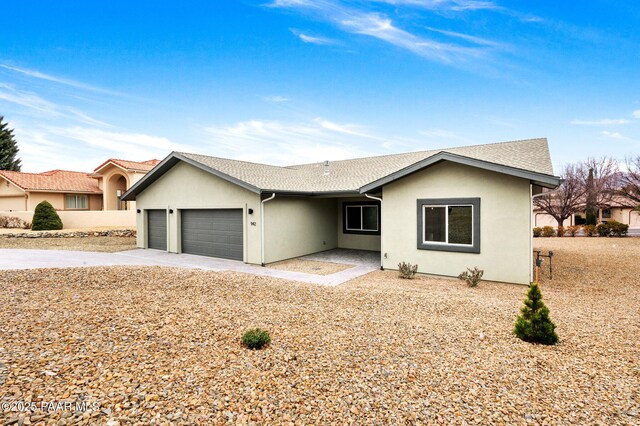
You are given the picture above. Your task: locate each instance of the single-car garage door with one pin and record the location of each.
(213, 232)
(157, 229)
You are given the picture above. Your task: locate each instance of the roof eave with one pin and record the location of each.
(171, 160)
(547, 181)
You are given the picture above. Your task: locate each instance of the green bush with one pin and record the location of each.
(534, 325)
(472, 276)
(255, 338)
(548, 231)
(407, 270)
(560, 231)
(612, 229)
(573, 230)
(537, 232)
(589, 230)
(45, 218)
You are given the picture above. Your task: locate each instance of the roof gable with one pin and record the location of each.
(142, 166)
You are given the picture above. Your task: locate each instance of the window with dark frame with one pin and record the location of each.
(606, 213)
(361, 218)
(449, 224)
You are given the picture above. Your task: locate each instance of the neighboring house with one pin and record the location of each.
(616, 211)
(67, 190)
(116, 176)
(444, 210)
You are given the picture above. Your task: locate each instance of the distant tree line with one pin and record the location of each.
(590, 185)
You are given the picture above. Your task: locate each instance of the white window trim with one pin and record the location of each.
(361, 207)
(76, 198)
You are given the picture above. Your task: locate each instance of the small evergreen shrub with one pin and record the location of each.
(45, 218)
(560, 231)
(472, 276)
(534, 325)
(612, 229)
(255, 338)
(537, 232)
(589, 230)
(407, 270)
(573, 230)
(548, 231)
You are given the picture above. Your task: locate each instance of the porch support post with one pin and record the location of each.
(381, 239)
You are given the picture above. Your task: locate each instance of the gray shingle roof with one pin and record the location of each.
(531, 155)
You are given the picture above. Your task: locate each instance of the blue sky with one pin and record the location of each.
(296, 81)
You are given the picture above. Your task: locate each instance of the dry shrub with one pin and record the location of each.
(548, 231)
(589, 230)
(560, 231)
(573, 230)
(407, 270)
(13, 222)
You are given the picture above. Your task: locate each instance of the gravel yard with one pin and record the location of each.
(102, 244)
(161, 346)
(310, 266)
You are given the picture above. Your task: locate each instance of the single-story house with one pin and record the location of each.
(68, 190)
(444, 210)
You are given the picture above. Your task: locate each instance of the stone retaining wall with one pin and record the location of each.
(74, 234)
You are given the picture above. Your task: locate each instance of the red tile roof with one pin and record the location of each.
(144, 166)
(53, 180)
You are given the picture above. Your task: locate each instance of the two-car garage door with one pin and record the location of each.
(205, 232)
(213, 232)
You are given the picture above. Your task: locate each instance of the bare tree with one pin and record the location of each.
(600, 180)
(630, 182)
(567, 199)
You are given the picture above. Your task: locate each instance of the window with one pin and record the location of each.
(361, 218)
(78, 202)
(449, 224)
(606, 213)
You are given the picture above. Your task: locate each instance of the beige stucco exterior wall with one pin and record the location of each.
(54, 198)
(13, 203)
(355, 241)
(187, 187)
(296, 226)
(505, 253)
(86, 218)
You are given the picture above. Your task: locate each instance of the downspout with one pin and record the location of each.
(262, 226)
(380, 213)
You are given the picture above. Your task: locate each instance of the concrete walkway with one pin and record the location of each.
(32, 259)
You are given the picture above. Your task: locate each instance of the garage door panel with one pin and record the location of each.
(213, 232)
(157, 229)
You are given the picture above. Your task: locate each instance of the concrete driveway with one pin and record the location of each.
(33, 259)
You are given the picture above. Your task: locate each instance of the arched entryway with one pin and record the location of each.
(115, 188)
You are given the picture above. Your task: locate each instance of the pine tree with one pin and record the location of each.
(8, 148)
(534, 325)
(592, 210)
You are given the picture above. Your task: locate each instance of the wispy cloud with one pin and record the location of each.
(616, 135)
(34, 102)
(457, 5)
(466, 37)
(600, 122)
(378, 25)
(636, 113)
(276, 99)
(306, 38)
(59, 80)
(130, 144)
(287, 143)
